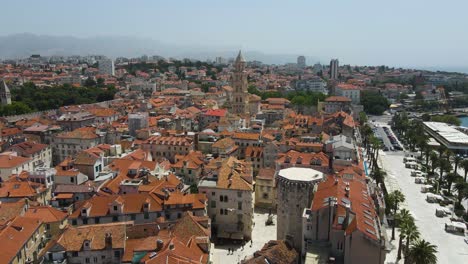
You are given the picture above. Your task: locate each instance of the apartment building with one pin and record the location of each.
(71, 143)
(168, 146)
(137, 207)
(230, 204)
(356, 235)
(40, 154)
(22, 239)
(10, 164)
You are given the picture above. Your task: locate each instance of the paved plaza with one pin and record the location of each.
(260, 235)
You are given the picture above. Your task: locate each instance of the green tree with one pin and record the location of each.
(403, 218)
(464, 165)
(90, 82)
(394, 199)
(422, 252)
(374, 103)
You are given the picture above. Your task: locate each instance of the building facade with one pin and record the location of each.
(295, 188)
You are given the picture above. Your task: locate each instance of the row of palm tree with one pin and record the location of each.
(435, 159)
(415, 250)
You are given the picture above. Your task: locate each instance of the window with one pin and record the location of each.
(47, 226)
(74, 254)
(87, 260)
(213, 193)
(239, 194)
(239, 205)
(85, 221)
(73, 222)
(265, 195)
(225, 198)
(221, 198)
(221, 211)
(97, 220)
(117, 254)
(146, 215)
(213, 204)
(115, 207)
(115, 219)
(72, 179)
(132, 217)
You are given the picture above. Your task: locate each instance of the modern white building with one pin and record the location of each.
(106, 66)
(448, 136)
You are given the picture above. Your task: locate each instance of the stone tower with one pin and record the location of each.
(294, 193)
(240, 95)
(5, 95)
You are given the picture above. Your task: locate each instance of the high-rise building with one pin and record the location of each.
(5, 95)
(137, 121)
(334, 64)
(295, 188)
(240, 95)
(106, 66)
(301, 62)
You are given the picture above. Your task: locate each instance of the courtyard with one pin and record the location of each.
(260, 235)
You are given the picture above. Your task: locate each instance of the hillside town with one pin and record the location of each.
(159, 160)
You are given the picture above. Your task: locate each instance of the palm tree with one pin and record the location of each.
(444, 166)
(451, 178)
(422, 252)
(411, 233)
(394, 199)
(462, 190)
(456, 161)
(464, 165)
(403, 217)
(378, 175)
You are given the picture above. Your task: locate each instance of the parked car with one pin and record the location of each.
(443, 211)
(434, 198)
(455, 227)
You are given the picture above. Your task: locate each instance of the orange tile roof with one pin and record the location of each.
(15, 235)
(28, 148)
(235, 174)
(11, 161)
(15, 188)
(132, 203)
(9, 210)
(47, 214)
(360, 201)
(337, 99)
(246, 136)
(81, 133)
(73, 238)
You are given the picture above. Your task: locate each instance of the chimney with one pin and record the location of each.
(108, 240)
(346, 221)
(330, 162)
(159, 244)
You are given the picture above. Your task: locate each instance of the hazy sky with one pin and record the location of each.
(373, 32)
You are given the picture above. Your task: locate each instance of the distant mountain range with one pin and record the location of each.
(26, 44)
